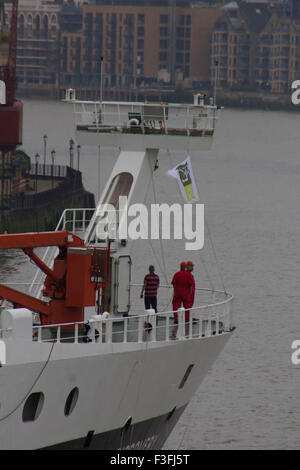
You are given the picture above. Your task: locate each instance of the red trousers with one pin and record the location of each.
(181, 299)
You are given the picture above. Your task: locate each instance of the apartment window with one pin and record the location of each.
(141, 19)
(180, 32)
(163, 31)
(187, 45)
(180, 44)
(181, 19)
(140, 69)
(163, 56)
(140, 57)
(179, 57)
(188, 20)
(164, 18)
(188, 32)
(141, 31)
(140, 44)
(187, 58)
(163, 44)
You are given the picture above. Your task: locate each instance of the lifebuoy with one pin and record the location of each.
(133, 122)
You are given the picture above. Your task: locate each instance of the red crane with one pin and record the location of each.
(79, 275)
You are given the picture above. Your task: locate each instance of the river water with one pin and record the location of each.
(249, 183)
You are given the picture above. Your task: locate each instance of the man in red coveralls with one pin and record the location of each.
(184, 285)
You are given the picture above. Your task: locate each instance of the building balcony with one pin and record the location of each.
(244, 41)
(265, 41)
(262, 53)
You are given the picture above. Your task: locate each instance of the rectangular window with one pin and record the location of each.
(180, 32)
(179, 57)
(141, 19)
(164, 19)
(163, 56)
(141, 31)
(180, 44)
(163, 44)
(140, 43)
(163, 31)
(140, 57)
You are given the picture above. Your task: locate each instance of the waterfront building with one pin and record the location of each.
(136, 48)
(38, 51)
(234, 43)
(256, 46)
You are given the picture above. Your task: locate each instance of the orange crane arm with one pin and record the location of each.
(39, 239)
(27, 242)
(25, 300)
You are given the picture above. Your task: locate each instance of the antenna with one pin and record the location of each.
(215, 82)
(101, 79)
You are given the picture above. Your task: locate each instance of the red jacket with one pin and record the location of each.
(183, 283)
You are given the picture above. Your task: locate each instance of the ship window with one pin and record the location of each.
(71, 401)
(186, 375)
(33, 407)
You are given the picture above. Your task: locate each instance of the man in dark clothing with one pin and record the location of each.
(149, 289)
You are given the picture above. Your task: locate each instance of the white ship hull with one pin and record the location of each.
(140, 381)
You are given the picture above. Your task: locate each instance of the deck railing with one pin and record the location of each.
(148, 118)
(205, 321)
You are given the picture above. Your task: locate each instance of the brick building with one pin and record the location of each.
(144, 44)
(256, 46)
(38, 43)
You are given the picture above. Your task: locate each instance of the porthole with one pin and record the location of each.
(71, 401)
(33, 407)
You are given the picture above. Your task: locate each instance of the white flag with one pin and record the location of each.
(183, 172)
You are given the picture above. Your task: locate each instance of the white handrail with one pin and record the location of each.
(206, 320)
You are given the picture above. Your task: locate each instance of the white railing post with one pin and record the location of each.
(181, 323)
(152, 321)
(191, 326)
(76, 333)
(125, 331)
(167, 327)
(140, 328)
(108, 329)
(39, 334)
(58, 334)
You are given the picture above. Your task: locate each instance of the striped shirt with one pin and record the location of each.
(151, 283)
